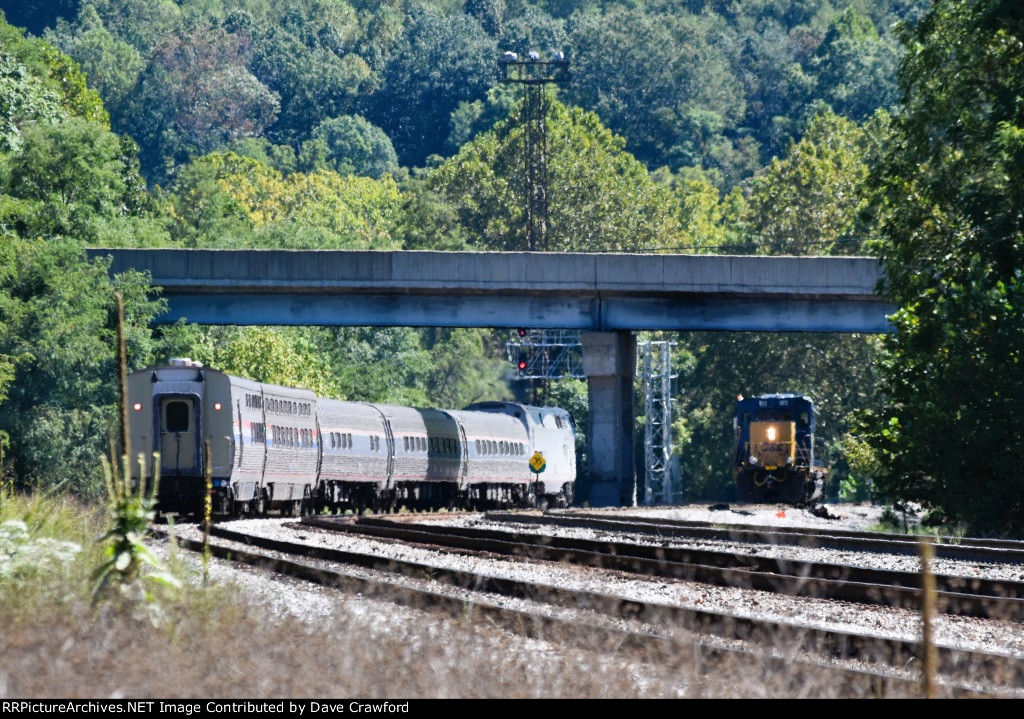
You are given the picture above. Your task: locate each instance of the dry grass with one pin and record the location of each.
(218, 642)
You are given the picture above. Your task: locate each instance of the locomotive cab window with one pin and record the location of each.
(177, 416)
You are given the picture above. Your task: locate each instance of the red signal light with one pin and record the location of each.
(522, 364)
(522, 332)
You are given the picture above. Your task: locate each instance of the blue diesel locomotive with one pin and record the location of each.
(774, 459)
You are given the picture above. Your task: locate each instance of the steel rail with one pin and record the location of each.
(957, 595)
(835, 644)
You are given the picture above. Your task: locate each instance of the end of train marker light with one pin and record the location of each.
(137, 406)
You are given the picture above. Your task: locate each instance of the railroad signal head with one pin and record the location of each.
(521, 331)
(522, 362)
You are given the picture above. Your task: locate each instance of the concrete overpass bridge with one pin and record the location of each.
(606, 296)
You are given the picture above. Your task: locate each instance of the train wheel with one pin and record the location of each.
(259, 505)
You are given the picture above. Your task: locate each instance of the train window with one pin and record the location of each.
(350, 440)
(558, 421)
(804, 419)
(176, 417)
(405, 443)
(477, 446)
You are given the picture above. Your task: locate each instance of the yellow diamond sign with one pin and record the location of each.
(537, 463)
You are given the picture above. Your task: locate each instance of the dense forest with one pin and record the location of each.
(767, 126)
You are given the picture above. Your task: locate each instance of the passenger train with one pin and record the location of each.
(287, 449)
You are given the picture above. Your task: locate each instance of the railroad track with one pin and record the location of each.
(969, 549)
(983, 598)
(306, 562)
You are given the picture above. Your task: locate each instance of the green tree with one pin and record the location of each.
(440, 61)
(195, 96)
(349, 145)
(855, 67)
(489, 13)
(657, 80)
(56, 316)
(225, 200)
(113, 66)
(35, 15)
(39, 84)
(811, 201)
(601, 197)
(953, 243)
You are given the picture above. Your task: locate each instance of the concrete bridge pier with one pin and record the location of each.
(609, 361)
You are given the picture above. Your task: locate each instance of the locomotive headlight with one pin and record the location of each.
(753, 460)
(789, 460)
(771, 434)
(217, 406)
(137, 406)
